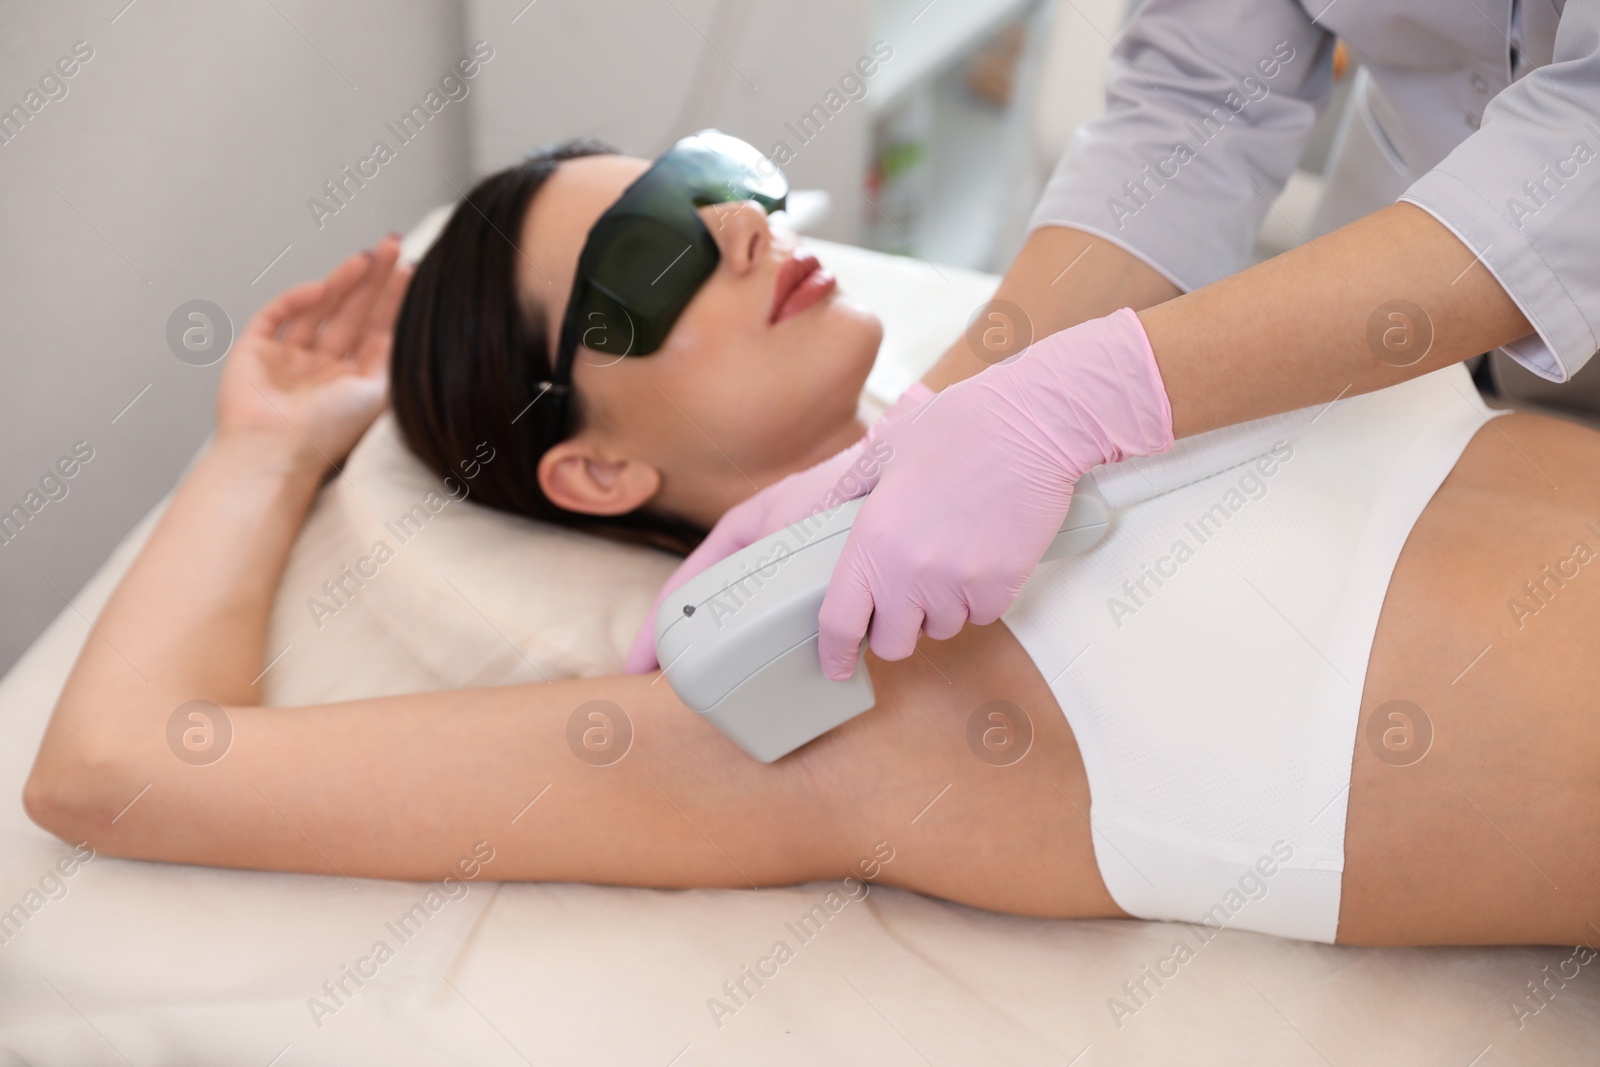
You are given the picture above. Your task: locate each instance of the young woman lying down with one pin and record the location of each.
(1357, 704)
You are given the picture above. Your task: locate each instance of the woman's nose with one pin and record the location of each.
(741, 232)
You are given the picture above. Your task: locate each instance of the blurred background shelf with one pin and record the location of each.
(930, 35)
(950, 159)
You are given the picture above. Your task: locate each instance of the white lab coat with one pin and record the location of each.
(1488, 112)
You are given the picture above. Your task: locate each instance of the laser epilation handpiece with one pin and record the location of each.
(738, 642)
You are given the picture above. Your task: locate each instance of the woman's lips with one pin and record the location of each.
(801, 282)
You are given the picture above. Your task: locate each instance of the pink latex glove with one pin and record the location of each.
(979, 484)
(830, 483)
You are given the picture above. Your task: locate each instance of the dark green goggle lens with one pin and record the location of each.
(650, 252)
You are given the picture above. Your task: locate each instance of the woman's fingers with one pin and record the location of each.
(377, 338)
(385, 307)
(281, 308)
(343, 328)
(301, 329)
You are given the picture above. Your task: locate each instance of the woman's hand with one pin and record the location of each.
(310, 372)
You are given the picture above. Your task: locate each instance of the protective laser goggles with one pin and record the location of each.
(650, 252)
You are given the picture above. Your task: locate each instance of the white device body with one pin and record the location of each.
(738, 642)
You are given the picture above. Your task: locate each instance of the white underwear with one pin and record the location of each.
(1210, 653)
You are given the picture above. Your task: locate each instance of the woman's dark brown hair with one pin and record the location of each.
(470, 352)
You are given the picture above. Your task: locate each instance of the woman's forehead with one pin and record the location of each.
(559, 220)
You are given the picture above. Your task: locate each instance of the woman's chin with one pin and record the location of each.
(862, 317)
(857, 330)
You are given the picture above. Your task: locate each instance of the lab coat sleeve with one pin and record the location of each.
(1523, 192)
(1209, 104)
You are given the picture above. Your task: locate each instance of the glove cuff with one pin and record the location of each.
(1102, 380)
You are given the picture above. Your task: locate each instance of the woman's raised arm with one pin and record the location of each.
(400, 787)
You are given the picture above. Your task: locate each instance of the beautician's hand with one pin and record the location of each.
(979, 483)
(310, 372)
(830, 483)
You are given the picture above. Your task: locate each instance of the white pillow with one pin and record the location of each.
(397, 586)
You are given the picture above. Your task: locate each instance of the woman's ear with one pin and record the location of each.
(576, 476)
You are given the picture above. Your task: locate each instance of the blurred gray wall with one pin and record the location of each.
(177, 167)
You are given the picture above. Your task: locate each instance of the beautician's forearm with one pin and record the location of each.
(1292, 332)
(189, 619)
(1060, 278)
